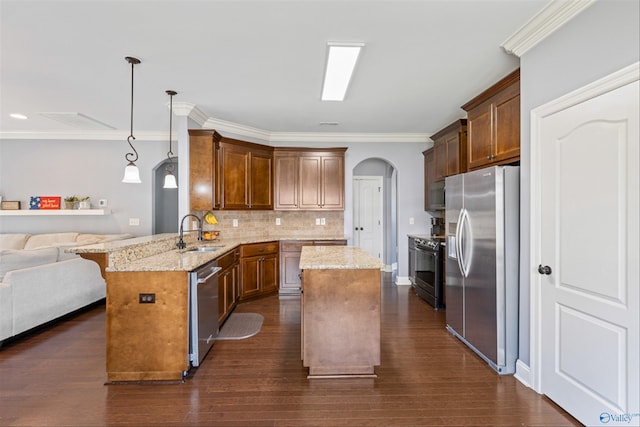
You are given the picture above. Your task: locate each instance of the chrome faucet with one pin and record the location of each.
(181, 244)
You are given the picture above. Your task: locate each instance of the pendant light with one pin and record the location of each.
(131, 172)
(170, 178)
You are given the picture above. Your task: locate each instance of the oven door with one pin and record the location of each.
(429, 275)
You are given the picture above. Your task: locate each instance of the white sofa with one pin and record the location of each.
(40, 282)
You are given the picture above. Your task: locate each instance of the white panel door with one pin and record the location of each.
(367, 221)
(589, 297)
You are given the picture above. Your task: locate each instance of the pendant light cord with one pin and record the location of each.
(169, 168)
(131, 157)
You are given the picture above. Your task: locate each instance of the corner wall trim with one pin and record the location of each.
(523, 373)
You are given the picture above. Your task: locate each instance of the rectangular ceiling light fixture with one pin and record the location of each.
(341, 60)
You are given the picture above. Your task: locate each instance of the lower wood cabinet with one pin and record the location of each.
(228, 284)
(258, 269)
(290, 250)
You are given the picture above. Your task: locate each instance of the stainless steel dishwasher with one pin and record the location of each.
(203, 290)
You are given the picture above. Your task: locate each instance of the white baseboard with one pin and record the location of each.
(523, 373)
(403, 281)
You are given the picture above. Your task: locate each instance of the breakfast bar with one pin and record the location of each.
(340, 312)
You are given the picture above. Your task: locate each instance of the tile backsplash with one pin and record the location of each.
(296, 224)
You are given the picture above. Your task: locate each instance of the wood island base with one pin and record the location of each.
(340, 322)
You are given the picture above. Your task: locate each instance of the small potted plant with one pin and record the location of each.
(71, 202)
(84, 202)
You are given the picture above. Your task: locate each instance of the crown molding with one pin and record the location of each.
(237, 129)
(553, 16)
(191, 111)
(85, 135)
(345, 137)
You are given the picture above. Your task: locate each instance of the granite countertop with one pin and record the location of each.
(337, 257)
(159, 253)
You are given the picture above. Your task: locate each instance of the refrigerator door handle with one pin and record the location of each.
(458, 244)
(465, 234)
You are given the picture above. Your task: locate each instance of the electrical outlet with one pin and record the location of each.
(235, 222)
(322, 221)
(277, 221)
(317, 221)
(102, 203)
(134, 221)
(147, 298)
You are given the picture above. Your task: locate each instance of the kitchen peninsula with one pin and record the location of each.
(340, 311)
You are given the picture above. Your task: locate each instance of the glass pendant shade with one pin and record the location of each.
(131, 174)
(170, 181)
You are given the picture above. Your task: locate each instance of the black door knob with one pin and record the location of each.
(544, 269)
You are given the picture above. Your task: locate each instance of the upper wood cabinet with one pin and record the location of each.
(429, 175)
(226, 173)
(450, 150)
(494, 124)
(309, 179)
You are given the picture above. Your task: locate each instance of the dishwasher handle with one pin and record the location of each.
(214, 270)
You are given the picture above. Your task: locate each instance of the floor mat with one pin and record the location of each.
(240, 326)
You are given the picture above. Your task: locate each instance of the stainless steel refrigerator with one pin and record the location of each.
(482, 246)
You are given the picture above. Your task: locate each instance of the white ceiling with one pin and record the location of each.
(258, 64)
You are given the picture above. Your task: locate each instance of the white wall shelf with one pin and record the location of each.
(51, 212)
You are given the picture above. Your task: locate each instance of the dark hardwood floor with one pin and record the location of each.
(55, 376)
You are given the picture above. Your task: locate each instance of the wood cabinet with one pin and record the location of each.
(429, 175)
(228, 284)
(204, 182)
(309, 179)
(226, 173)
(290, 273)
(258, 269)
(450, 150)
(494, 124)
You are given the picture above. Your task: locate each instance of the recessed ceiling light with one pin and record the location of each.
(341, 60)
(18, 116)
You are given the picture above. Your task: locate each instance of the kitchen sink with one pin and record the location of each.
(204, 249)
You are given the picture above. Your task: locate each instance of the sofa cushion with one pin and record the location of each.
(49, 239)
(13, 240)
(17, 259)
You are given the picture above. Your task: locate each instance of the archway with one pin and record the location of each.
(165, 200)
(377, 170)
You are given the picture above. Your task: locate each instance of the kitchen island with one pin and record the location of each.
(340, 312)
